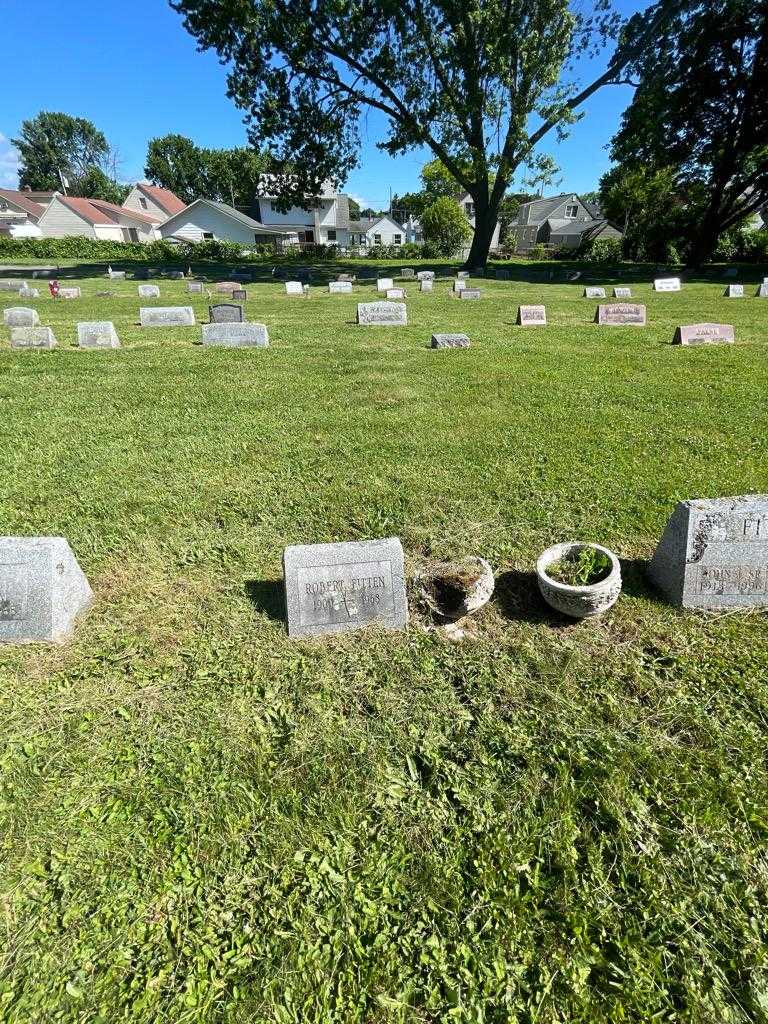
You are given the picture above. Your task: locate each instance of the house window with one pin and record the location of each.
(377, 239)
(572, 211)
(208, 236)
(469, 209)
(397, 239)
(143, 203)
(331, 235)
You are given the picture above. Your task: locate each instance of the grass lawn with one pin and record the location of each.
(202, 820)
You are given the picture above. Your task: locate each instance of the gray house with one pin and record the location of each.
(564, 221)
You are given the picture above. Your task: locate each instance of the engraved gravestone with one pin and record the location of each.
(20, 316)
(340, 287)
(226, 287)
(195, 287)
(714, 553)
(12, 286)
(469, 293)
(42, 589)
(70, 293)
(459, 284)
(704, 334)
(166, 316)
(667, 284)
(462, 275)
(734, 291)
(334, 588)
(97, 334)
(395, 293)
(29, 293)
(383, 283)
(426, 285)
(621, 314)
(116, 275)
(426, 275)
(408, 273)
(346, 277)
(294, 288)
(622, 293)
(149, 291)
(450, 341)
(32, 337)
(382, 314)
(236, 335)
(532, 316)
(594, 293)
(239, 295)
(225, 313)
(762, 291)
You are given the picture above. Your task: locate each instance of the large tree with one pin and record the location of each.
(478, 82)
(701, 112)
(53, 144)
(226, 175)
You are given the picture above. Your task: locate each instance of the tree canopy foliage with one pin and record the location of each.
(479, 82)
(225, 175)
(445, 226)
(695, 137)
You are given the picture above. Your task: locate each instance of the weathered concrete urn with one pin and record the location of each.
(455, 589)
(579, 602)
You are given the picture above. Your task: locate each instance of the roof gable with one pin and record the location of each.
(168, 201)
(22, 202)
(116, 212)
(231, 214)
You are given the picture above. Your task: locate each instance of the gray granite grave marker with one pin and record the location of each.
(531, 316)
(734, 291)
(195, 287)
(294, 288)
(42, 589)
(622, 293)
(236, 335)
(225, 313)
(340, 287)
(149, 291)
(97, 334)
(714, 553)
(667, 284)
(239, 295)
(594, 293)
(704, 334)
(70, 293)
(116, 275)
(166, 316)
(382, 314)
(762, 291)
(462, 275)
(227, 287)
(426, 285)
(450, 341)
(395, 293)
(346, 277)
(459, 284)
(32, 337)
(621, 314)
(334, 588)
(426, 275)
(383, 283)
(29, 293)
(469, 293)
(20, 316)
(407, 272)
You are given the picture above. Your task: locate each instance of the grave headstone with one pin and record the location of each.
(225, 313)
(622, 293)
(29, 293)
(594, 293)
(426, 275)
(469, 293)
(667, 284)
(70, 293)
(97, 334)
(340, 287)
(294, 288)
(459, 284)
(149, 291)
(502, 275)
(239, 295)
(227, 287)
(621, 314)
(334, 588)
(427, 285)
(20, 316)
(175, 275)
(166, 316)
(12, 286)
(383, 283)
(734, 291)
(346, 277)
(462, 275)
(408, 273)
(714, 553)
(236, 335)
(450, 341)
(532, 316)
(762, 291)
(116, 275)
(382, 314)
(195, 288)
(704, 334)
(32, 337)
(395, 293)
(42, 590)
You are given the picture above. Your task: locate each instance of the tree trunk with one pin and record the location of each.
(486, 217)
(705, 238)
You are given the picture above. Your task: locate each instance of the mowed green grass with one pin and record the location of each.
(203, 820)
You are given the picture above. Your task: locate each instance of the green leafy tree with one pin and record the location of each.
(175, 162)
(445, 226)
(701, 108)
(354, 209)
(95, 184)
(51, 142)
(477, 82)
(225, 175)
(642, 201)
(438, 181)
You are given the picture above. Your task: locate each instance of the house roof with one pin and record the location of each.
(368, 223)
(569, 227)
(114, 211)
(163, 197)
(266, 188)
(235, 215)
(23, 202)
(98, 211)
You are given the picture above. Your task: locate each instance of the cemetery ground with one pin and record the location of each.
(204, 820)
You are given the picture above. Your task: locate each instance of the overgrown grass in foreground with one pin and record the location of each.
(205, 821)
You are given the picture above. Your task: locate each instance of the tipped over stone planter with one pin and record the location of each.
(579, 602)
(454, 589)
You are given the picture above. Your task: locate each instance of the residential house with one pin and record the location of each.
(321, 220)
(381, 230)
(563, 221)
(467, 204)
(95, 218)
(19, 215)
(205, 219)
(158, 203)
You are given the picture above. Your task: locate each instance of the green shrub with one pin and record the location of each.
(445, 226)
(603, 250)
(754, 245)
(74, 247)
(727, 247)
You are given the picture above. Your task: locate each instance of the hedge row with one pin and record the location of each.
(77, 248)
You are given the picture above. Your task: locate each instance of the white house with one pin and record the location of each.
(95, 218)
(205, 219)
(467, 204)
(381, 230)
(324, 220)
(19, 215)
(158, 203)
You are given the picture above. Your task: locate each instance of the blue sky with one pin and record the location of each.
(133, 70)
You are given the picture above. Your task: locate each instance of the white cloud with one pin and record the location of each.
(361, 202)
(9, 164)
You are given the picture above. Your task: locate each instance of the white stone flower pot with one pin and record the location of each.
(578, 602)
(450, 601)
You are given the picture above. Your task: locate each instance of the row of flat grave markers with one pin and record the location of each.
(712, 555)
